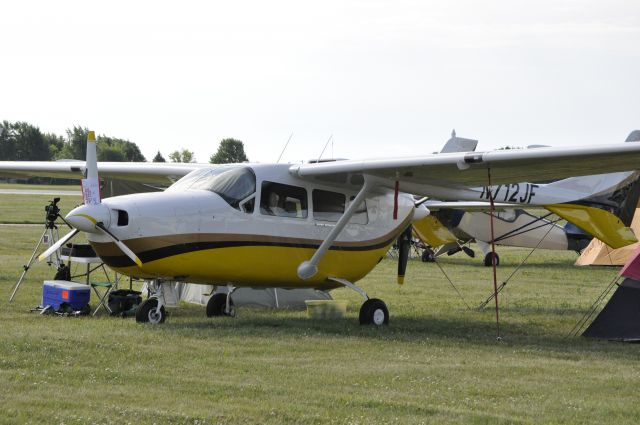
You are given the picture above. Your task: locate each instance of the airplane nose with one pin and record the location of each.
(85, 217)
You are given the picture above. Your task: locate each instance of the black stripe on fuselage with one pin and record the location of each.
(169, 251)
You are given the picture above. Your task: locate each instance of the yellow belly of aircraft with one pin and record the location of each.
(256, 266)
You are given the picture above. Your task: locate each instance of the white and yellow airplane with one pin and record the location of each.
(320, 225)
(451, 227)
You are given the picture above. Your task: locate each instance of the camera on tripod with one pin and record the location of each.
(52, 211)
(49, 237)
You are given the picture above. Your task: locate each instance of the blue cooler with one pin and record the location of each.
(58, 292)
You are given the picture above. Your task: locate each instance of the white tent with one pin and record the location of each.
(267, 298)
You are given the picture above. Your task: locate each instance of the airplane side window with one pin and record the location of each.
(327, 206)
(360, 216)
(283, 200)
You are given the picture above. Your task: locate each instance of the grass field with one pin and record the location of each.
(62, 187)
(437, 361)
(30, 209)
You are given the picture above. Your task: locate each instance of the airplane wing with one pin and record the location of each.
(470, 169)
(142, 172)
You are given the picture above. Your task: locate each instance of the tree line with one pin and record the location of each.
(21, 141)
(230, 151)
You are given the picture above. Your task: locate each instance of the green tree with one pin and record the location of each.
(127, 151)
(21, 141)
(75, 146)
(183, 155)
(159, 158)
(55, 143)
(110, 154)
(110, 149)
(7, 142)
(230, 151)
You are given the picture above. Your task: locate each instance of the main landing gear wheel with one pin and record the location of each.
(217, 305)
(149, 312)
(487, 260)
(374, 312)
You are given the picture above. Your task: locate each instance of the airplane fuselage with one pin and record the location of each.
(250, 226)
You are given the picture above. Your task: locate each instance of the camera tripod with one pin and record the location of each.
(50, 235)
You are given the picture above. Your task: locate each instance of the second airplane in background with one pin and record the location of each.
(451, 225)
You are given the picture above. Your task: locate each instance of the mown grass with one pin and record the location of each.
(437, 362)
(29, 209)
(23, 186)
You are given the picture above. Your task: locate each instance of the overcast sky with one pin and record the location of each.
(385, 78)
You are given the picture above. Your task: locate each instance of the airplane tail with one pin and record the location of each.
(607, 211)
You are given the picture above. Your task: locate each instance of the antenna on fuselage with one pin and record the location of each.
(285, 147)
(325, 147)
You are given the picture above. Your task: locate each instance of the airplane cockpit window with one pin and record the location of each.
(185, 182)
(283, 200)
(327, 206)
(233, 184)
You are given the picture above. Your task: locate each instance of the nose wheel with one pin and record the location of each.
(149, 312)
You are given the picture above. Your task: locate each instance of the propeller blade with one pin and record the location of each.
(404, 245)
(56, 246)
(91, 183)
(120, 244)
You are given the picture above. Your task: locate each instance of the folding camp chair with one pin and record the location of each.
(103, 297)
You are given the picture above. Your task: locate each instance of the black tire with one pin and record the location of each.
(148, 312)
(217, 304)
(428, 256)
(487, 260)
(374, 312)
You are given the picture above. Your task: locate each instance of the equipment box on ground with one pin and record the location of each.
(58, 292)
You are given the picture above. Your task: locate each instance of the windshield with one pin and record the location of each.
(233, 184)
